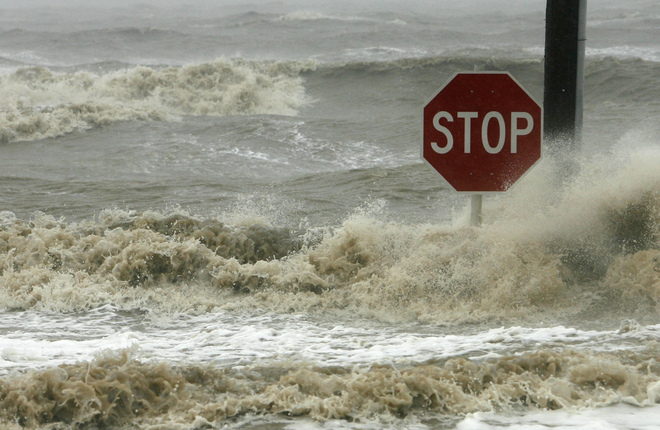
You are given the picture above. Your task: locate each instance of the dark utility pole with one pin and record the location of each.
(565, 37)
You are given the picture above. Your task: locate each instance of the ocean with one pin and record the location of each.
(214, 215)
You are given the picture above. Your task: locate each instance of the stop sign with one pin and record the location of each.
(482, 131)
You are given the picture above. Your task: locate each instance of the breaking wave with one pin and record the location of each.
(591, 249)
(39, 103)
(306, 15)
(116, 390)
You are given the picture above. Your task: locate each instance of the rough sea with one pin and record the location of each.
(214, 215)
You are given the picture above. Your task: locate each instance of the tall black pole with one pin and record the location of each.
(564, 69)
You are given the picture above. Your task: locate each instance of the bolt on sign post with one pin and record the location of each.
(482, 132)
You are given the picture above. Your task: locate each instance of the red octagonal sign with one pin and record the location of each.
(482, 132)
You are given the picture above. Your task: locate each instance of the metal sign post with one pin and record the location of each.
(565, 37)
(475, 217)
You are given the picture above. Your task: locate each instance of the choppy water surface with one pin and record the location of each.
(216, 217)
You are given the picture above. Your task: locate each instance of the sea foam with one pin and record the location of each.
(39, 103)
